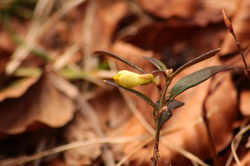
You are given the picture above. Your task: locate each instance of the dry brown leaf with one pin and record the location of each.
(81, 129)
(40, 103)
(222, 105)
(17, 88)
(112, 119)
(175, 43)
(195, 12)
(240, 23)
(170, 8)
(99, 29)
(245, 102)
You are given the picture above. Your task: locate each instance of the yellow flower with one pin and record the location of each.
(130, 79)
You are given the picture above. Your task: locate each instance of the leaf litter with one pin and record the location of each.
(174, 35)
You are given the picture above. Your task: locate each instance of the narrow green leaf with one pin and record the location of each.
(157, 63)
(144, 97)
(106, 53)
(166, 115)
(28, 72)
(196, 60)
(173, 104)
(194, 79)
(70, 73)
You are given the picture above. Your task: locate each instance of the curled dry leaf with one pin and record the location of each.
(221, 107)
(40, 103)
(17, 88)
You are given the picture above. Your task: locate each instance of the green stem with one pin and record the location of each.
(157, 117)
(156, 155)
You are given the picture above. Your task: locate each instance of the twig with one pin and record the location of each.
(231, 30)
(206, 121)
(240, 133)
(236, 144)
(21, 160)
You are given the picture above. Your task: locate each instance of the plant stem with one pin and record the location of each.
(231, 30)
(156, 155)
(157, 117)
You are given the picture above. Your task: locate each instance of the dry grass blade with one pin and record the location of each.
(21, 160)
(237, 142)
(41, 23)
(136, 113)
(185, 153)
(41, 12)
(241, 132)
(67, 6)
(135, 150)
(88, 60)
(65, 57)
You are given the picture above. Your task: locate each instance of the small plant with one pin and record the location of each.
(162, 77)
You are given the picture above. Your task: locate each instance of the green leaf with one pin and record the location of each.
(144, 97)
(70, 73)
(28, 72)
(196, 60)
(173, 104)
(194, 79)
(106, 53)
(157, 63)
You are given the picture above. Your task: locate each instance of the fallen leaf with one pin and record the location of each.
(40, 103)
(195, 12)
(17, 88)
(81, 129)
(244, 102)
(112, 118)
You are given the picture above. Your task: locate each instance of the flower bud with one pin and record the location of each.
(130, 79)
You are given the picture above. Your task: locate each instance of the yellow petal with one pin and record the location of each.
(130, 79)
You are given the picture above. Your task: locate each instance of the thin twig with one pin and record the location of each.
(231, 30)
(73, 145)
(240, 133)
(237, 142)
(206, 120)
